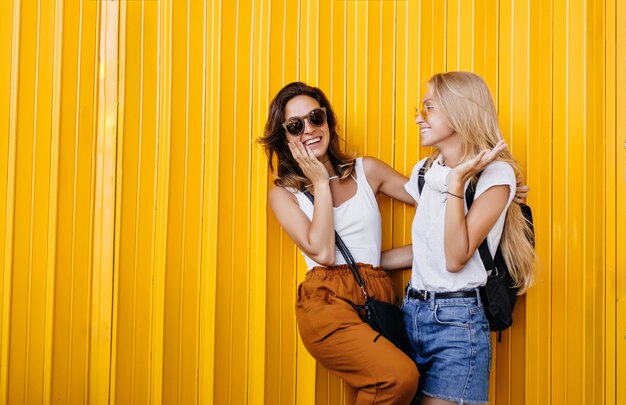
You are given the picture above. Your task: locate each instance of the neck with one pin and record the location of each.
(329, 166)
(451, 154)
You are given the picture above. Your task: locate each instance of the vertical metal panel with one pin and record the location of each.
(164, 77)
(72, 288)
(183, 229)
(212, 86)
(620, 181)
(137, 137)
(9, 68)
(233, 193)
(104, 195)
(595, 259)
(612, 391)
(140, 261)
(32, 157)
(258, 214)
(539, 172)
(559, 224)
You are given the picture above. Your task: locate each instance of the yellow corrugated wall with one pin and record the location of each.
(140, 263)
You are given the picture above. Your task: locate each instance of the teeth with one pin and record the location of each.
(312, 141)
(425, 130)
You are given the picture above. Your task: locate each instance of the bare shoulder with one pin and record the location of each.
(280, 195)
(372, 165)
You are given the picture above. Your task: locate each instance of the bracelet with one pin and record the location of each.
(454, 195)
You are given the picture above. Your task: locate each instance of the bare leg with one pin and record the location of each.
(435, 401)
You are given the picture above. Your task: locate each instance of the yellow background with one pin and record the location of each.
(139, 261)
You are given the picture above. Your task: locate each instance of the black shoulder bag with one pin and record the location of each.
(383, 317)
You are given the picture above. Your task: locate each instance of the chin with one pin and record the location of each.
(320, 150)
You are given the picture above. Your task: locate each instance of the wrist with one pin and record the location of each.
(454, 182)
(321, 185)
(455, 188)
(459, 196)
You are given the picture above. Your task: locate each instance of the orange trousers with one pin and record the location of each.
(373, 369)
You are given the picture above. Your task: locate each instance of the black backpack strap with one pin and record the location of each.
(483, 249)
(420, 175)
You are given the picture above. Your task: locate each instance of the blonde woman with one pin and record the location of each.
(442, 309)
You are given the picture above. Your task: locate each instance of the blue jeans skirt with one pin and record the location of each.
(452, 347)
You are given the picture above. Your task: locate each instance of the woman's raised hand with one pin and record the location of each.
(312, 168)
(466, 170)
(521, 191)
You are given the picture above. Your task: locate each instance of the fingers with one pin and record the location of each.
(487, 156)
(499, 147)
(481, 160)
(302, 154)
(521, 192)
(495, 152)
(312, 168)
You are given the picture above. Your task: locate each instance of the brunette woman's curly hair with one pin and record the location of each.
(275, 142)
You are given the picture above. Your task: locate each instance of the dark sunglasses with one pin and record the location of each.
(295, 125)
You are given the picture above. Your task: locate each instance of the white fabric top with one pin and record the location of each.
(429, 261)
(357, 221)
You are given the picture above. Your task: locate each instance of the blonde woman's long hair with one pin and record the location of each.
(468, 108)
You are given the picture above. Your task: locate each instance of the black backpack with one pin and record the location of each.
(499, 294)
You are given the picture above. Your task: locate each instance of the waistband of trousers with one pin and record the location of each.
(424, 295)
(341, 270)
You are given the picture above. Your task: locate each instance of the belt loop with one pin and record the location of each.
(478, 297)
(431, 298)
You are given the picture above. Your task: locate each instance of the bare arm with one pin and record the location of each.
(315, 237)
(397, 258)
(383, 178)
(462, 234)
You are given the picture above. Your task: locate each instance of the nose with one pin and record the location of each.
(419, 119)
(307, 126)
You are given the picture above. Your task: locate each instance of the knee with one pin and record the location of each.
(408, 380)
(404, 381)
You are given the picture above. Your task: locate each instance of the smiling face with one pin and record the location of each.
(434, 129)
(315, 137)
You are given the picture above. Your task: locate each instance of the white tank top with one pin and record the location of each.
(357, 221)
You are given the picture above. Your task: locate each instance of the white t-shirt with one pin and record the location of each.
(357, 221)
(429, 261)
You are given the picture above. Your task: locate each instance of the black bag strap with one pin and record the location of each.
(421, 174)
(345, 252)
(483, 249)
